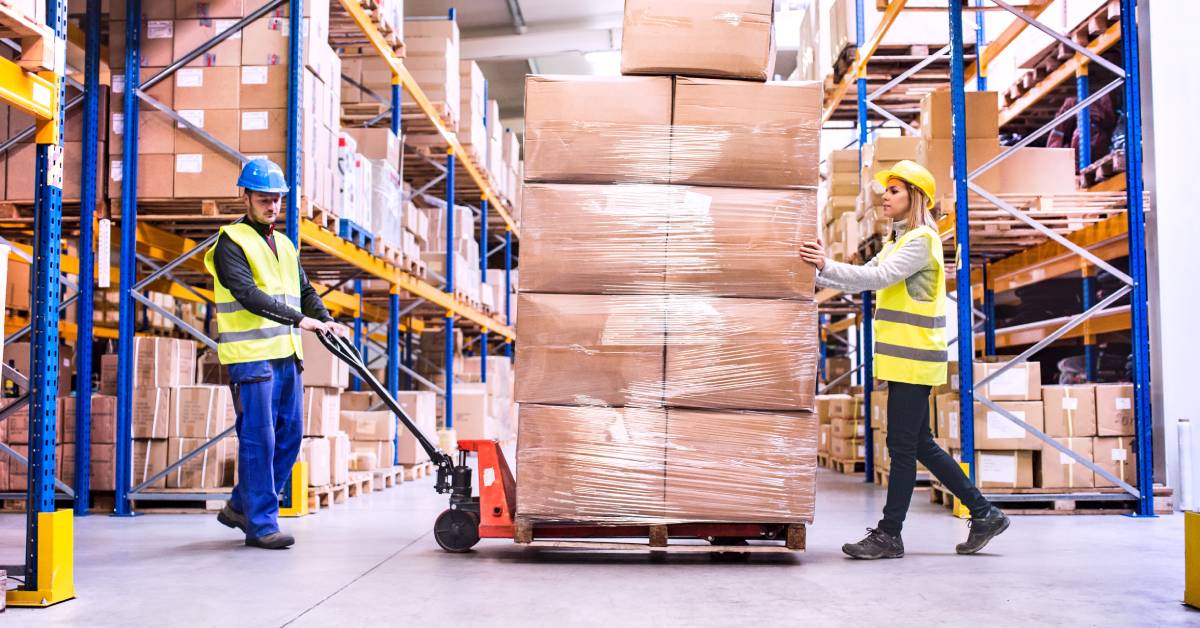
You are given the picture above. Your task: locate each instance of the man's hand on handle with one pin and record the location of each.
(332, 327)
(813, 252)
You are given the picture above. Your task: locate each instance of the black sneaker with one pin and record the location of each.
(983, 529)
(877, 544)
(274, 540)
(231, 518)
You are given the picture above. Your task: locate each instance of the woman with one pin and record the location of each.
(910, 354)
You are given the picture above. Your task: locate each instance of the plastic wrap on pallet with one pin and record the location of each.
(654, 465)
(677, 350)
(385, 201)
(724, 38)
(655, 239)
(657, 129)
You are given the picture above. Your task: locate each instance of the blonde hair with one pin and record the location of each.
(919, 213)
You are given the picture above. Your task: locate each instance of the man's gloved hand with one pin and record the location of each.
(332, 327)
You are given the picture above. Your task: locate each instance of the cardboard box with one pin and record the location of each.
(207, 88)
(206, 174)
(982, 119)
(839, 406)
(322, 411)
(995, 431)
(163, 92)
(163, 362)
(823, 437)
(103, 419)
(263, 131)
(747, 354)
(364, 459)
(359, 401)
(591, 463)
(149, 459)
(744, 466)
(190, 34)
(879, 411)
(725, 40)
(376, 143)
(265, 42)
(368, 455)
(157, 44)
(320, 367)
(17, 355)
(1022, 382)
(1058, 470)
(1037, 171)
(200, 411)
(937, 156)
(262, 87)
(847, 428)
(1070, 410)
(210, 468)
(108, 374)
(948, 423)
(589, 129)
(317, 453)
(156, 134)
(1004, 469)
(223, 124)
(1114, 410)
(769, 141)
(339, 458)
(369, 426)
(581, 349)
(202, 9)
(421, 408)
(1117, 455)
(151, 412)
(472, 419)
(847, 449)
(156, 177)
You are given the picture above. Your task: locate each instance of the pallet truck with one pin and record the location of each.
(492, 514)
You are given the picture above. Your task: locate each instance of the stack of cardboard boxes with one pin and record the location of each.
(841, 190)
(667, 325)
(486, 410)
(326, 448)
(841, 430)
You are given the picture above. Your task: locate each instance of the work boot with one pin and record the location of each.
(274, 540)
(231, 518)
(982, 530)
(877, 544)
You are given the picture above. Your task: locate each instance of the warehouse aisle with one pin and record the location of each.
(372, 561)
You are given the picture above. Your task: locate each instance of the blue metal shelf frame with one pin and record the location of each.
(393, 332)
(508, 345)
(866, 346)
(451, 210)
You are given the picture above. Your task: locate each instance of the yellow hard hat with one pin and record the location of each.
(913, 173)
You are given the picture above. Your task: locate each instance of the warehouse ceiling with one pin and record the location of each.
(512, 38)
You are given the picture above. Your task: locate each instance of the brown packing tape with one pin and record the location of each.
(1121, 462)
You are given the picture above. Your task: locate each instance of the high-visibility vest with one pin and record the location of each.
(242, 335)
(910, 335)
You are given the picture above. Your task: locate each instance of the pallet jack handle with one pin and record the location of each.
(346, 352)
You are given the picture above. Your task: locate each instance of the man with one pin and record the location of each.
(258, 286)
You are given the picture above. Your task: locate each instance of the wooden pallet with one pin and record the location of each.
(415, 471)
(671, 538)
(1104, 169)
(36, 38)
(823, 460)
(881, 477)
(361, 483)
(1058, 501)
(326, 496)
(387, 477)
(393, 255)
(888, 62)
(847, 466)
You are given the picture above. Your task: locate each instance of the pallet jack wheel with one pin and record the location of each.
(456, 531)
(729, 556)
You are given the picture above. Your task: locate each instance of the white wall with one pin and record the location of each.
(1169, 95)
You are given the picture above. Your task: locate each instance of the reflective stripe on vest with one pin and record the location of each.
(910, 335)
(242, 335)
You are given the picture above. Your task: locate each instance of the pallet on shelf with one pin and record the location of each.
(1058, 501)
(361, 483)
(847, 467)
(36, 37)
(326, 496)
(387, 477)
(415, 471)
(881, 477)
(1103, 169)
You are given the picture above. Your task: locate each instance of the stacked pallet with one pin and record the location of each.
(667, 327)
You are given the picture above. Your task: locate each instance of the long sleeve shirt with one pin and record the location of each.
(910, 263)
(233, 270)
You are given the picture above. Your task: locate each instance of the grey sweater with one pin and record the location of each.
(911, 264)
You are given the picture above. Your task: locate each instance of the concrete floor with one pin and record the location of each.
(373, 561)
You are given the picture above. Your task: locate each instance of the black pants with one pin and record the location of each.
(908, 441)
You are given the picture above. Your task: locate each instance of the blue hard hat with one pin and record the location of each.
(262, 175)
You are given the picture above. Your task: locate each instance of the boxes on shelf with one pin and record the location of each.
(421, 407)
(1115, 454)
(339, 458)
(209, 469)
(1058, 470)
(1070, 410)
(321, 368)
(840, 406)
(1004, 469)
(432, 57)
(993, 430)
(724, 40)
(151, 412)
(322, 411)
(1022, 382)
(847, 428)
(317, 453)
(847, 449)
(200, 411)
(1114, 410)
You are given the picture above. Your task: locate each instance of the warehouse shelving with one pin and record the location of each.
(1111, 235)
(166, 249)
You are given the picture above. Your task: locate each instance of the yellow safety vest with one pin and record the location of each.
(910, 335)
(242, 335)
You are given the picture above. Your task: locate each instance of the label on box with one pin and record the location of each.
(998, 425)
(1070, 403)
(220, 26)
(254, 121)
(1123, 403)
(696, 204)
(189, 77)
(118, 124)
(254, 75)
(118, 83)
(998, 468)
(1013, 383)
(954, 425)
(189, 163)
(160, 29)
(861, 430)
(862, 451)
(1119, 455)
(116, 169)
(1065, 459)
(194, 116)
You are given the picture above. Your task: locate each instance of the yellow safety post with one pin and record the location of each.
(960, 511)
(1191, 559)
(55, 562)
(298, 490)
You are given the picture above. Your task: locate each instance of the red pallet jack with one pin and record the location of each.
(492, 514)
